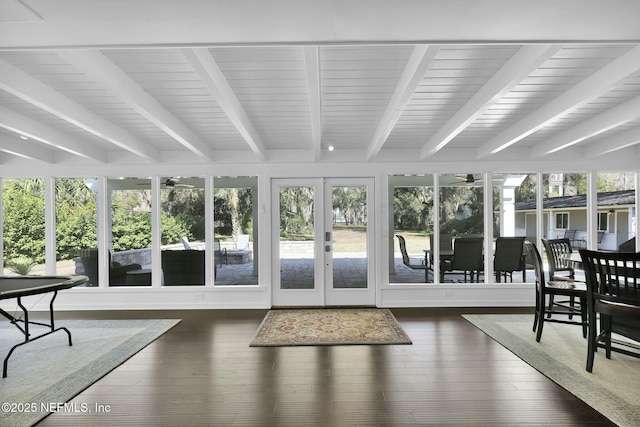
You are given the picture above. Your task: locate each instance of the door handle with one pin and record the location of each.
(327, 248)
(327, 236)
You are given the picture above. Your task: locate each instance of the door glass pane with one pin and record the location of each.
(349, 235)
(297, 244)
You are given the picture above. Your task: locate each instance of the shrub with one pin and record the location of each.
(21, 265)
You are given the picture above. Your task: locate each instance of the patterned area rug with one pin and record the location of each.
(329, 327)
(561, 355)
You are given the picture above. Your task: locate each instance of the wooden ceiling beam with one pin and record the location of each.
(596, 125)
(417, 65)
(519, 66)
(34, 129)
(103, 71)
(33, 91)
(212, 76)
(590, 88)
(312, 67)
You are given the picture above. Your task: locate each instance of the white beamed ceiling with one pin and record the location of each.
(114, 94)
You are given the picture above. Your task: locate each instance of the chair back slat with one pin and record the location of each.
(555, 249)
(613, 276)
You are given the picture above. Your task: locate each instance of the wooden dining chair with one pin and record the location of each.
(560, 268)
(613, 300)
(544, 311)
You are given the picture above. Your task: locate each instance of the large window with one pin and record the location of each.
(461, 217)
(411, 222)
(23, 226)
(236, 230)
(616, 210)
(565, 201)
(76, 224)
(182, 206)
(130, 236)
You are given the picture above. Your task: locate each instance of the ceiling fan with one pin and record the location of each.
(174, 183)
(469, 179)
(170, 182)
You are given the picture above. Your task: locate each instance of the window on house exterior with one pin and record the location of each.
(562, 221)
(603, 221)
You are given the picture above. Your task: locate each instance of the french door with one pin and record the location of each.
(324, 243)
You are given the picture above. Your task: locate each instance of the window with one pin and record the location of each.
(411, 217)
(23, 226)
(130, 237)
(562, 221)
(182, 231)
(236, 230)
(603, 221)
(76, 224)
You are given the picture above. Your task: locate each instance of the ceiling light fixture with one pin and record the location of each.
(330, 147)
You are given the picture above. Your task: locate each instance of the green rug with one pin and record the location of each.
(329, 327)
(48, 371)
(613, 389)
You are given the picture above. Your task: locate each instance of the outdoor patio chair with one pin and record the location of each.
(117, 271)
(446, 244)
(406, 260)
(509, 257)
(548, 289)
(219, 256)
(188, 245)
(467, 259)
(242, 242)
(183, 267)
(613, 299)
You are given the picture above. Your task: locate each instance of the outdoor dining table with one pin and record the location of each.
(445, 255)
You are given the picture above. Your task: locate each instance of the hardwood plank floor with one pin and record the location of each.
(203, 373)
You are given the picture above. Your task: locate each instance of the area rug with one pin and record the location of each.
(48, 371)
(613, 387)
(329, 327)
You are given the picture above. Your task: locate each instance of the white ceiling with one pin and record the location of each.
(144, 82)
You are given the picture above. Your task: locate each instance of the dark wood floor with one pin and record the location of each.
(203, 373)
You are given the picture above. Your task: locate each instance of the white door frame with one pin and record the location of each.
(323, 293)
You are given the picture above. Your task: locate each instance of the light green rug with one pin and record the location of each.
(613, 389)
(49, 371)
